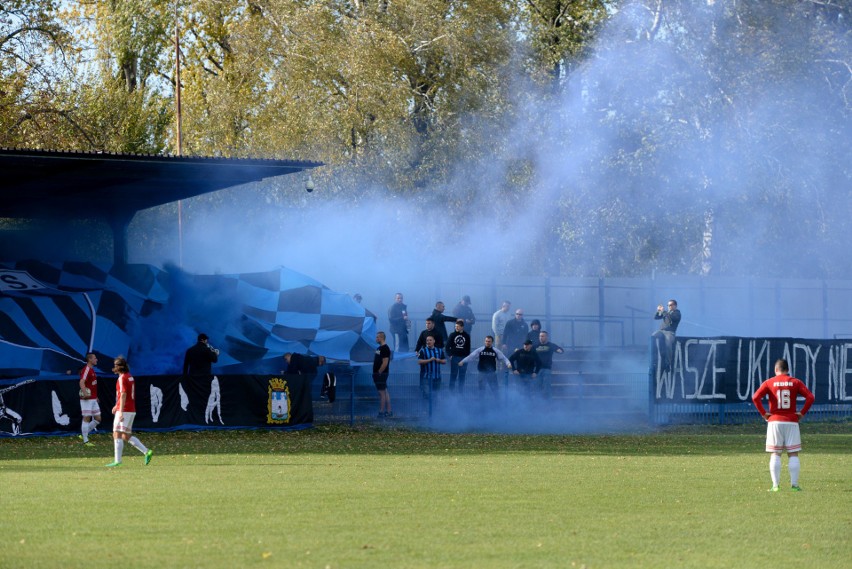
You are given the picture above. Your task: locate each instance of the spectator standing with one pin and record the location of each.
(525, 364)
(125, 414)
(439, 318)
(381, 371)
(665, 337)
(199, 359)
(430, 359)
(545, 350)
(458, 348)
(399, 323)
(498, 322)
(464, 312)
(89, 407)
(535, 328)
(198, 370)
(303, 364)
(429, 331)
(421, 343)
(515, 332)
(486, 356)
(358, 298)
(782, 429)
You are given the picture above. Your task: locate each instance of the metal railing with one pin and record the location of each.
(579, 402)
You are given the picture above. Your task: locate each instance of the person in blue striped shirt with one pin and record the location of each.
(430, 359)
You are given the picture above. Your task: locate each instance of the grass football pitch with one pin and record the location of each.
(336, 497)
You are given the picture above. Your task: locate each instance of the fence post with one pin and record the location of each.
(601, 312)
(429, 384)
(352, 397)
(582, 385)
(548, 313)
(779, 309)
(651, 386)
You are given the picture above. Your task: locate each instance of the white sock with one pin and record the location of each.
(93, 424)
(119, 449)
(775, 468)
(138, 444)
(793, 465)
(84, 429)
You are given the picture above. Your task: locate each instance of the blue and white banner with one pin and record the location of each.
(52, 314)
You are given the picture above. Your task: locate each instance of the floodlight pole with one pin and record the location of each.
(178, 130)
(177, 81)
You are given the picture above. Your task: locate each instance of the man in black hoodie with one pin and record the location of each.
(458, 348)
(535, 328)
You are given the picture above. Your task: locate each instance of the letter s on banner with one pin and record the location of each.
(18, 281)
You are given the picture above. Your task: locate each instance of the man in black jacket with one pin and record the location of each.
(199, 359)
(303, 364)
(525, 364)
(515, 332)
(438, 318)
(198, 373)
(464, 312)
(429, 331)
(399, 323)
(665, 336)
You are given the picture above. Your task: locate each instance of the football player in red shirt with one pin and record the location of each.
(782, 430)
(89, 398)
(125, 413)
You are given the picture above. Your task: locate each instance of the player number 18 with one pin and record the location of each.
(783, 398)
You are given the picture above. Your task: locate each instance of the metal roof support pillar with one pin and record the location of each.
(119, 224)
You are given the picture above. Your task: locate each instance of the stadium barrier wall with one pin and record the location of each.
(52, 406)
(711, 381)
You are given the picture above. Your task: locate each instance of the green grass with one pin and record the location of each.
(346, 498)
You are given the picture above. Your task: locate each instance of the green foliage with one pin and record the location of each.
(561, 33)
(34, 52)
(338, 497)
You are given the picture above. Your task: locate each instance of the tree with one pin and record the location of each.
(121, 88)
(561, 32)
(703, 117)
(34, 58)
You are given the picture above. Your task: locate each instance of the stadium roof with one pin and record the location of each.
(39, 183)
(74, 185)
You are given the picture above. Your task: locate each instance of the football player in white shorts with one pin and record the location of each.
(89, 407)
(782, 430)
(125, 413)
